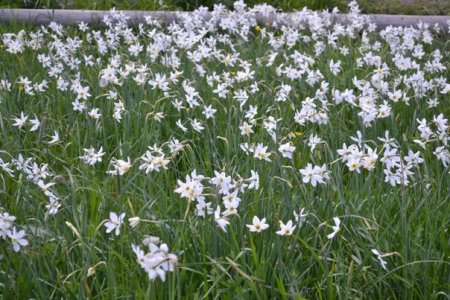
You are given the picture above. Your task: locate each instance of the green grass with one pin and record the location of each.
(409, 7)
(411, 222)
(414, 7)
(164, 5)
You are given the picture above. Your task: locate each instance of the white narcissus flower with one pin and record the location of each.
(286, 150)
(114, 222)
(55, 138)
(6, 222)
(181, 126)
(95, 113)
(192, 189)
(369, 160)
(83, 26)
(413, 158)
(441, 122)
(254, 181)
(91, 156)
(314, 140)
(83, 93)
(314, 175)
(380, 256)
(336, 228)
(35, 122)
(300, 217)
(4, 166)
(197, 125)
(17, 239)
(156, 262)
(209, 112)
(220, 220)
(308, 175)
(286, 229)
(20, 122)
(52, 206)
(261, 152)
(120, 167)
(258, 225)
(153, 162)
(246, 129)
(395, 96)
(335, 67)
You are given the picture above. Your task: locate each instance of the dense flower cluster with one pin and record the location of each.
(8, 231)
(194, 82)
(157, 261)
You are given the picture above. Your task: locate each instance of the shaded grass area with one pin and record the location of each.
(408, 7)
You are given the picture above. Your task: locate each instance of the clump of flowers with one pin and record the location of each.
(119, 166)
(157, 261)
(314, 175)
(8, 231)
(240, 134)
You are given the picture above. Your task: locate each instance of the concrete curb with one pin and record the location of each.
(95, 17)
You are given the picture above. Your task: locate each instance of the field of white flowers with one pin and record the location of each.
(225, 159)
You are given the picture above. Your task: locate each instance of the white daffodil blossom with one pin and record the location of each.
(258, 225)
(119, 166)
(114, 223)
(20, 121)
(54, 138)
(221, 221)
(336, 228)
(157, 262)
(380, 256)
(286, 229)
(17, 239)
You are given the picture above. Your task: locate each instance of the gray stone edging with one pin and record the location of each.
(95, 17)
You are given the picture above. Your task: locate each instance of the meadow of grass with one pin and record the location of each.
(200, 116)
(408, 7)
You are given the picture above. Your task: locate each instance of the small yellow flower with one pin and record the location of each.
(298, 133)
(233, 73)
(21, 87)
(257, 28)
